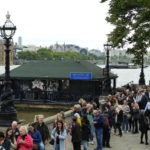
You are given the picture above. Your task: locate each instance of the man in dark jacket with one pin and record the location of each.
(15, 129)
(42, 128)
(76, 134)
(106, 131)
(98, 124)
(5, 143)
(85, 131)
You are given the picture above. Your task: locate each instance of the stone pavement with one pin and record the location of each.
(127, 142)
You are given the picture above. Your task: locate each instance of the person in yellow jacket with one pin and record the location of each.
(78, 118)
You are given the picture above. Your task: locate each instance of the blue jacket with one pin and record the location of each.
(36, 136)
(100, 120)
(62, 138)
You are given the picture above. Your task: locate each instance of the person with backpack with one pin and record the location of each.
(106, 131)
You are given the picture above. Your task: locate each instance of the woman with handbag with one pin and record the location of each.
(59, 136)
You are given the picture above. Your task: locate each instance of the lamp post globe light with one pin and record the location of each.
(107, 48)
(142, 80)
(7, 111)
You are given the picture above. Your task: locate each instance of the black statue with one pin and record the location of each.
(6, 102)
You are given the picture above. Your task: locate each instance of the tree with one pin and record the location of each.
(131, 22)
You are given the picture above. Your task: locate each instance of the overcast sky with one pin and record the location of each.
(45, 22)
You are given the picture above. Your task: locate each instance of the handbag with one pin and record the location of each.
(35, 147)
(51, 142)
(128, 116)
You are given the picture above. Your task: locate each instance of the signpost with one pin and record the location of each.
(76, 75)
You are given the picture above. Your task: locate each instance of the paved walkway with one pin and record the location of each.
(127, 142)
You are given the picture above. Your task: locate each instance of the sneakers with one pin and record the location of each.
(91, 142)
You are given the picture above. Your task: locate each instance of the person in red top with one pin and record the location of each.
(24, 141)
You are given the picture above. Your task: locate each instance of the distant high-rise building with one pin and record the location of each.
(20, 42)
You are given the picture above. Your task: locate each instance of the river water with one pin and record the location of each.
(28, 116)
(127, 75)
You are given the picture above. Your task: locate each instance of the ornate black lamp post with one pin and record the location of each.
(107, 47)
(7, 111)
(142, 80)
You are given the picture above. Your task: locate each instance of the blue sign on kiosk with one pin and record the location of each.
(80, 75)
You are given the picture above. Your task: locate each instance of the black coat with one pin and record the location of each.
(135, 114)
(43, 130)
(6, 144)
(85, 130)
(120, 117)
(76, 132)
(143, 124)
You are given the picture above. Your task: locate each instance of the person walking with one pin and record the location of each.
(59, 135)
(143, 127)
(98, 124)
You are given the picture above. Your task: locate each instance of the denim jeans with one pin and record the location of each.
(41, 146)
(57, 147)
(125, 123)
(85, 145)
(99, 135)
(91, 132)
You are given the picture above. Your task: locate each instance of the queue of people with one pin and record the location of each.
(123, 112)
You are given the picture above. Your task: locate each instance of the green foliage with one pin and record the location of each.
(47, 54)
(132, 25)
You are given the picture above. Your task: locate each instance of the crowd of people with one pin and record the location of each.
(122, 112)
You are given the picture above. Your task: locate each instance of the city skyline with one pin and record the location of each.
(47, 22)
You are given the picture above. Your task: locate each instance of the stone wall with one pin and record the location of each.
(50, 120)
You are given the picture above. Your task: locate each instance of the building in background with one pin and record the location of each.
(2, 53)
(96, 52)
(20, 42)
(68, 47)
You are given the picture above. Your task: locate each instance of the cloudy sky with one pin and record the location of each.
(45, 22)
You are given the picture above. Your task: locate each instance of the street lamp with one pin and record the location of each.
(107, 48)
(142, 80)
(7, 111)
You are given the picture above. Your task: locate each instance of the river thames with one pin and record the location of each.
(127, 75)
